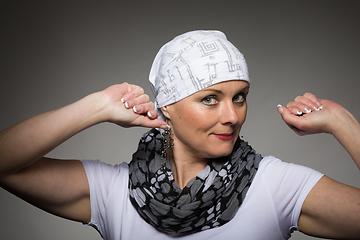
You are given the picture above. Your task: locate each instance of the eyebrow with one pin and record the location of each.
(212, 90)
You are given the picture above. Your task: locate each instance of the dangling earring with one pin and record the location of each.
(167, 142)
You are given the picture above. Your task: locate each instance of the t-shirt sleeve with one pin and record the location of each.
(289, 184)
(103, 179)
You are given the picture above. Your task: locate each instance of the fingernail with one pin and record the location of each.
(134, 109)
(319, 108)
(279, 107)
(149, 114)
(165, 127)
(122, 100)
(299, 112)
(307, 110)
(126, 104)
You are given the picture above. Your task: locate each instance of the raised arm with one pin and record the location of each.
(331, 209)
(60, 186)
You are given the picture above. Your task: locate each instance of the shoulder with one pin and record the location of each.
(286, 179)
(274, 169)
(288, 185)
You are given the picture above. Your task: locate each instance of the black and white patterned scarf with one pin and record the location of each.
(209, 200)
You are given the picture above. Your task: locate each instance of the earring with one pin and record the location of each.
(167, 142)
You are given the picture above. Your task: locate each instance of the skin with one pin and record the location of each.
(199, 138)
(64, 188)
(330, 210)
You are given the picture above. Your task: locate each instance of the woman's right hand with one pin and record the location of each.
(127, 105)
(123, 104)
(64, 188)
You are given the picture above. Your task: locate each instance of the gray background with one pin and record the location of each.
(55, 52)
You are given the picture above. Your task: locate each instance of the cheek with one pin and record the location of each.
(195, 121)
(243, 117)
(191, 114)
(242, 114)
(191, 121)
(205, 119)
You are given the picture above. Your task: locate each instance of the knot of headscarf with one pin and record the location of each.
(209, 200)
(193, 61)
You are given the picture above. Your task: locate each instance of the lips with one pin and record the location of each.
(224, 136)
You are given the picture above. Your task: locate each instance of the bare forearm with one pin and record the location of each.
(347, 132)
(31, 139)
(333, 118)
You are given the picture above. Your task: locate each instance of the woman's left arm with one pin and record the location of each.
(331, 209)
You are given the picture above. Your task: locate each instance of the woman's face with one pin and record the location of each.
(207, 123)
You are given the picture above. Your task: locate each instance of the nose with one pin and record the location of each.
(228, 114)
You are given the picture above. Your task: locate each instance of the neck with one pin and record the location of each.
(185, 167)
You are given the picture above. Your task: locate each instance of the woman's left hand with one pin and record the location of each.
(331, 209)
(309, 115)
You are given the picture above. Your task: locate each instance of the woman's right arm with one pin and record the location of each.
(60, 186)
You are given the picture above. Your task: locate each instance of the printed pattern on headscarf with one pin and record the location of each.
(193, 61)
(209, 200)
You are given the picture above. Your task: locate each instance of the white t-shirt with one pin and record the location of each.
(270, 209)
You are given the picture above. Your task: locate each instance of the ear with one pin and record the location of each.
(165, 112)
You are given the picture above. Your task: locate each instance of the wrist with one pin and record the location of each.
(347, 133)
(93, 109)
(343, 120)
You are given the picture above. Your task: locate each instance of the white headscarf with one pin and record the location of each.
(191, 62)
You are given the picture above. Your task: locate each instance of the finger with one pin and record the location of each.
(310, 101)
(133, 92)
(287, 116)
(145, 108)
(306, 102)
(298, 107)
(295, 110)
(144, 98)
(313, 98)
(153, 114)
(290, 119)
(144, 121)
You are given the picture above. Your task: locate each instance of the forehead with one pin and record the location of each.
(231, 85)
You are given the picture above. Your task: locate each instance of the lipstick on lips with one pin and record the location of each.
(224, 136)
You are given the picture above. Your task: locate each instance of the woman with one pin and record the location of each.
(191, 177)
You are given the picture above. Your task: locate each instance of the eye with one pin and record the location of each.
(240, 98)
(209, 100)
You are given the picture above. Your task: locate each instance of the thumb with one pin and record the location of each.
(284, 112)
(290, 119)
